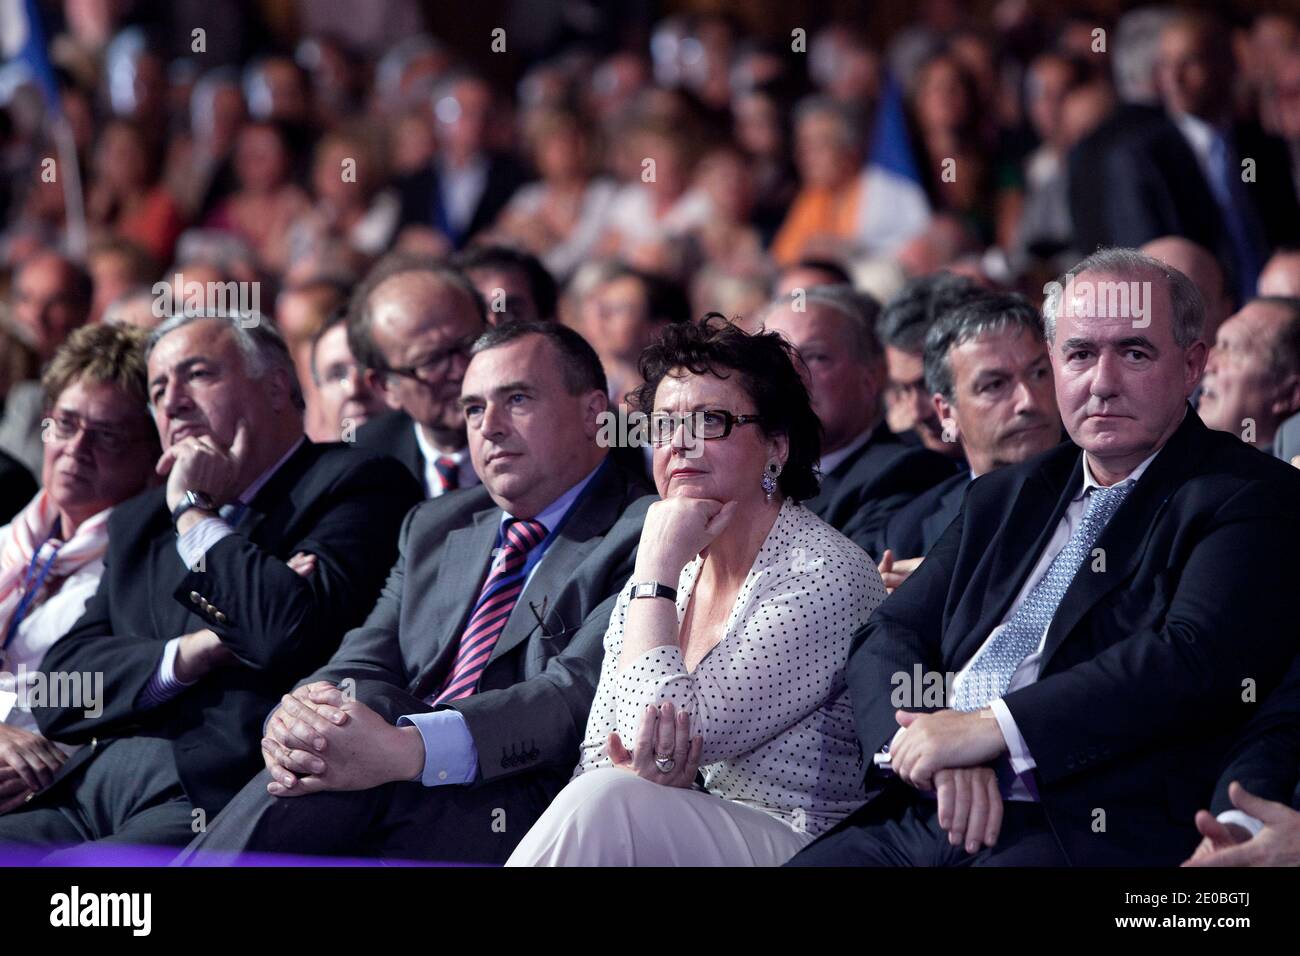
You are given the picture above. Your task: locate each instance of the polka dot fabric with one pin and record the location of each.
(770, 698)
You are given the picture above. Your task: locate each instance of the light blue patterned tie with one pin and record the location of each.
(990, 674)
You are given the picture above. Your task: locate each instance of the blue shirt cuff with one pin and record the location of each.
(449, 752)
(164, 685)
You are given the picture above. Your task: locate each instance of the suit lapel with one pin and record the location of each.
(934, 525)
(462, 566)
(598, 509)
(408, 452)
(170, 617)
(282, 485)
(823, 504)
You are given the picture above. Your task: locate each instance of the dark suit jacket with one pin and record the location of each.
(1154, 187)
(343, 507)
(915, 527)
(531, 708)
(862, 492)
(1087, 172)
(1266, 758)
(421, 198)
(393, 434)
(1139, 691)
(16, 487)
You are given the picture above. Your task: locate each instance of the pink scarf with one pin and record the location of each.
(29, 532)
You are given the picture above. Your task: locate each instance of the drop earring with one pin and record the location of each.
(769, 479)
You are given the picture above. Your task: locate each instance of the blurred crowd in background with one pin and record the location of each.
(657, 163)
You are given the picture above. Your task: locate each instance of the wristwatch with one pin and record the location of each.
(194, 499)
(653, 589)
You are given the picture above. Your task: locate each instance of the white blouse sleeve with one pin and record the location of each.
(786, 660)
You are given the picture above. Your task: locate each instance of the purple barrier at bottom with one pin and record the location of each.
(131, 855)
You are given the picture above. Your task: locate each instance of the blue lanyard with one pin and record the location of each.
(33, 581)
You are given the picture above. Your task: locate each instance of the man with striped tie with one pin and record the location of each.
(446, 723)
(1061, 679)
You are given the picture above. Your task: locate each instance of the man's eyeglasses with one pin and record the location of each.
(707, 424)
(431, 370)
(67, 426)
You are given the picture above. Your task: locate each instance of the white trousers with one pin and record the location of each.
(610, 817)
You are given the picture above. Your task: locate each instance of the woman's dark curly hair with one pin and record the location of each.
(766, 364)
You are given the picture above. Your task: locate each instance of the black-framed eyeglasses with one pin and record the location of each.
(708, 424)
(66, 426)
(435, 366)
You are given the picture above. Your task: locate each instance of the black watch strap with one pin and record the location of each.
(653, 589)
(193, 499)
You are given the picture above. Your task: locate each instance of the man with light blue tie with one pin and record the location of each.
(447, 722)
(1061, 678)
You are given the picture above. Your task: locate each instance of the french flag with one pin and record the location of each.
(22, 47)
(896, 207)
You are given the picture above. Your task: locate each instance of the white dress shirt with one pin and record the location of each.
(1200, 137)
(432, 480)
(44, 624)
(462, 187)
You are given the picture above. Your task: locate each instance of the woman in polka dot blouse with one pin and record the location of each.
(726, 651)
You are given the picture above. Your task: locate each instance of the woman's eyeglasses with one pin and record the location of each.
(67, 426)
(708, 424)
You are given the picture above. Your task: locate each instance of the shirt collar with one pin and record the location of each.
(833, 459)
(553, 514)
(431, 454)
(1199, 133)
(251, 491)
(1090, 482)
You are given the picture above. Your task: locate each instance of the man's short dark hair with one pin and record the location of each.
(541, 284)
(908, 316)
(987, 312)
(579, 364)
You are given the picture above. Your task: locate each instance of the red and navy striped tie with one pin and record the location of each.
(448, 472)
(504, 584)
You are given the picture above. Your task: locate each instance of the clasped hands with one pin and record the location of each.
(949, 751)
(318, 740)
(661, 733)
